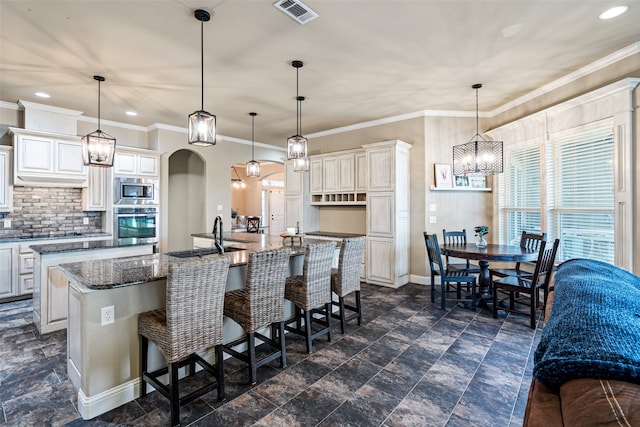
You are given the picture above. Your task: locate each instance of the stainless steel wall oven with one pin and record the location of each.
(135, 225)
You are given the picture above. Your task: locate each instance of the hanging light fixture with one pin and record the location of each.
(253, 167)
(237, 182)
(202, 124)
(98, 148)
(478, 156)
(297, 144)
(301, 164)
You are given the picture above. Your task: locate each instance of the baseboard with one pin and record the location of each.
(420, 280)
(91, 407)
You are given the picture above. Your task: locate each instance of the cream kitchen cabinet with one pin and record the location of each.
(16, 271)
(98, 190)
(136, 162)
(6, 189)
(7, 283)
(361, 172)
(388, 213)
(297, 210)
(316, 173)
(333, 179)
(43, 159)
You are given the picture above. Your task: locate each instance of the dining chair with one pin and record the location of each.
(529, 285)
(191, 321)
(458, 238)
(448, 277)
(253, 224)
(528, 241)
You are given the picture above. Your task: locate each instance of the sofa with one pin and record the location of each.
(587, 364)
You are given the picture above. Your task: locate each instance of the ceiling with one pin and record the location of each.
(364, 59)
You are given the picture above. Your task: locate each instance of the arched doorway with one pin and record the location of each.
(263, 197)
(186, 201)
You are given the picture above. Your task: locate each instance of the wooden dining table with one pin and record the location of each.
(484, 256)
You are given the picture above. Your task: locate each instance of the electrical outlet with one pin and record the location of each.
(108, 315)
(432, 207)
(220, 208)
(432, 220)
(7, 223)
(85, 220)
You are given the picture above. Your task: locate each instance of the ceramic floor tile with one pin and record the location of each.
(241, 411)
(368, 407)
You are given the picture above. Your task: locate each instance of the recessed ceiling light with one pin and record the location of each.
(131, 113)
(613, 12)
(43, 95)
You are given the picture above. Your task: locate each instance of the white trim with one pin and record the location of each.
(571, 77)
(91, 407)
(172, 128)
(9, 105)
(420, 280)
(43, 107)
(88, 119)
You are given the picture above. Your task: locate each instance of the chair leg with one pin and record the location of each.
(495, 302)
(327, 308)
(173, 393)
(443, 292)
(534, 297)
(433, 290)
(283, 347)
(343, 322)
(144, 348)
(307, 329)
(251, 350)
(220, 371)
(359, 308)
(473, 296)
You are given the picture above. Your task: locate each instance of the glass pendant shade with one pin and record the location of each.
(478, 156)
(301, 164)
(297, 147)
(253, 169)
(98, 148)
(202, 128)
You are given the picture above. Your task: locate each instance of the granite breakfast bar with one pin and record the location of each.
(103, 357)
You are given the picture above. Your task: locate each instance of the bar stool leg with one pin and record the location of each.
(220, 371)
(343, 322)
(307, 328)
(173, 393)
(144, 347)
(327, 308)
(359, 307)
(252, 357)
(283, 348)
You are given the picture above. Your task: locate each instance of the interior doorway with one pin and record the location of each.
(276, 211)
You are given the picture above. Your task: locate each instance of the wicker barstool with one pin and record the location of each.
(260, 304)
(346, 279)
(311, 292)
(191, 321)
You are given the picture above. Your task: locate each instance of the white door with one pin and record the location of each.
(276, 211)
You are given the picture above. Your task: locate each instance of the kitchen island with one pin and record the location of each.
(103, 351)
(50, 283)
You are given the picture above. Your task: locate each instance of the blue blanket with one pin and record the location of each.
(594, 327)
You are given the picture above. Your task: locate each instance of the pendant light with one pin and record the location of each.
(202, 124)
(98, 148)
(253, 167)
(478, 156)
(297, 144)
(301, 164)
(237, 182)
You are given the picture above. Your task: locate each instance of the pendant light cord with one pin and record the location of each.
(300, 131)
(98, 105)
(477, 120)
(297, 104)
(202, 65)
(252, 138)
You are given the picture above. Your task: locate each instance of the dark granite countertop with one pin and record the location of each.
(57, 248)
(333, 234)
(134, 270)
(10, 238)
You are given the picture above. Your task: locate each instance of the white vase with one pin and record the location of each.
(481, 243)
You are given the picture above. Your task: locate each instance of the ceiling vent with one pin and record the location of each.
(297, 10)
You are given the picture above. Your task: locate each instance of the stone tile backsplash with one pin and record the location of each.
(49, 212)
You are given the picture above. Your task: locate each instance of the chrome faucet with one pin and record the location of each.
(218, 239)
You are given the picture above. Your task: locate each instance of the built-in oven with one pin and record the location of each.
(135, 225)
(135, 191)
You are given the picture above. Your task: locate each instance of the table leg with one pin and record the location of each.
(484, 282)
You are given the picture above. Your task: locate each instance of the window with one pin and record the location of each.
(583, 200)
(578, 188)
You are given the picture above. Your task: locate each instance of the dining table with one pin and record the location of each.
(484, 256)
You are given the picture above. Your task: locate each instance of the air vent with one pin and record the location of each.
(297, 10)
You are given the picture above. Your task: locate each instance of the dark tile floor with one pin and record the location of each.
(409, 364)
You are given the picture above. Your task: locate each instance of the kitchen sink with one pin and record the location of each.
(201, 252)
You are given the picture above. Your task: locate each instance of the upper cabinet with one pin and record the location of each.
(335, 179)
(43, 159)
(6, 196)
(136, 162)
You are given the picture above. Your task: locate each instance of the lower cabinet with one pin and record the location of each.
(6, 272)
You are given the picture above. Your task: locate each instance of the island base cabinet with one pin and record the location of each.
(104, 360)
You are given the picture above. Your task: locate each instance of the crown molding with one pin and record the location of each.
(9, 105)
(43, 107)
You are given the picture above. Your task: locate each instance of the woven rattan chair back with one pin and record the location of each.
(316, 272)
(264, 287)
(194, 307)
(347, 277)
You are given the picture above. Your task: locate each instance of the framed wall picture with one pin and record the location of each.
(478, 182)
(461, 181)
(444, 179)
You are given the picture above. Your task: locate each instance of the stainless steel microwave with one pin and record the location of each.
(135, 191)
